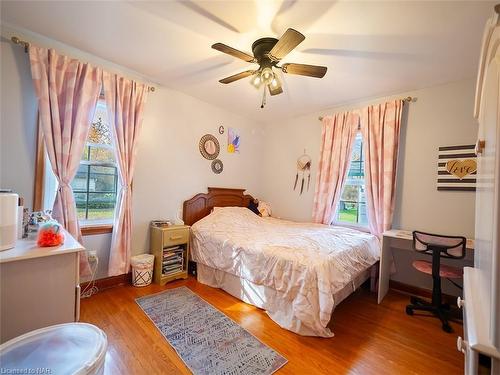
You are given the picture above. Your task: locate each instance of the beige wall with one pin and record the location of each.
(441, 115)
(169, 166)
(18, 111)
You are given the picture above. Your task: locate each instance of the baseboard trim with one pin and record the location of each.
(420, 292)
(110, 282)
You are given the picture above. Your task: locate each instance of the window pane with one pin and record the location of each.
(356, 150)
(356, 169)
(81, 202)
(350, 193)
(101, 154)
(352, 205)
(96, 180)
(101, 206)
(79, 183)
(99, 131)
(102, 179)
(348, 212)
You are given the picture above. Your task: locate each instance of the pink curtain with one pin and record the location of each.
(125, 103)
(380, 126)
(67, 92)
(337, 138)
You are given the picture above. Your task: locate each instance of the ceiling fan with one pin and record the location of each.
(268, 52)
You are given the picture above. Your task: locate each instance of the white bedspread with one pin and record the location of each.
(306, 262)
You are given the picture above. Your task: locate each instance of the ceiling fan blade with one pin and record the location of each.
(238, 76)
(305, 70)
(234, 52)
(288, 41)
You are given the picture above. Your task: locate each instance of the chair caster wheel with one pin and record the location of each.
(409, 310)
(447, 328)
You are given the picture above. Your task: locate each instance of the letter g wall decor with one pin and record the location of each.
(457, 168)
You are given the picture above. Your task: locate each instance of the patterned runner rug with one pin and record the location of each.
(207, 340)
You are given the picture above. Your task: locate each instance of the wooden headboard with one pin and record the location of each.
(201, 204)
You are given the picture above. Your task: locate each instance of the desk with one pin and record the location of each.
(400, 239)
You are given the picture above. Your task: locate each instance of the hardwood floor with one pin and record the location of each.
(369, 338)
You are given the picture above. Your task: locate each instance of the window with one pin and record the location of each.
(95, 185)
(352, 206)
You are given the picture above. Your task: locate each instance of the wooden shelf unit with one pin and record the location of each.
(163, 239)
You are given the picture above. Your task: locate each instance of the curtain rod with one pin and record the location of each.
(408, 99)
(26, 45)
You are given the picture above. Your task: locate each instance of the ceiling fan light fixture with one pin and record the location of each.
(267, 75)
(256, 81)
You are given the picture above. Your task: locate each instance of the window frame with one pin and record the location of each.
(88, 228)
(357, 226)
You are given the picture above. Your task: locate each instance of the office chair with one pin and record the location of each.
(438, 246)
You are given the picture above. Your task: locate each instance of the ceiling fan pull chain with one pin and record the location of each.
(263, 98)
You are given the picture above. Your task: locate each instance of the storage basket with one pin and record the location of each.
(142, 269)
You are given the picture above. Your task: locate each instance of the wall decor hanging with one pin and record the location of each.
(221, 129)
(217, 166)
(209, 147)
(233, 141)
(303, 167)
(457, 168)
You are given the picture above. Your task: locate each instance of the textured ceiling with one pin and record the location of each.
(370, 48)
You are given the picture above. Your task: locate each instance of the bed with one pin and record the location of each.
(296, 272)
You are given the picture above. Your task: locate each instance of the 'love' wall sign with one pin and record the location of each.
(457, 168)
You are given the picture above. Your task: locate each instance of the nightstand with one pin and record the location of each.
(170, 246)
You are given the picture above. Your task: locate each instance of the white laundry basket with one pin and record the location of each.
(71, 348)
(142, 269)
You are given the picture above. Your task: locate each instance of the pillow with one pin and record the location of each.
(254, 206)
(264, 209)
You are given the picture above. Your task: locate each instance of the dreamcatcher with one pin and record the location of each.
(304, 167)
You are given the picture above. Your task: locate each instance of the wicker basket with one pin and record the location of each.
(142, 269)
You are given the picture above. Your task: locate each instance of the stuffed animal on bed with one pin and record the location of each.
(50, 234)
(264, 209)
(253, 206)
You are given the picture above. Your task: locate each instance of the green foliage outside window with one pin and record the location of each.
(96, 182)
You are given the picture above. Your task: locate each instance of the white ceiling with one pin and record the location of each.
(371, 48)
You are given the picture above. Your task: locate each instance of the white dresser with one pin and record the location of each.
(481, 301)
(39, 286)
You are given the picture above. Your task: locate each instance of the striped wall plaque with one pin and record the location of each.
(457, 168)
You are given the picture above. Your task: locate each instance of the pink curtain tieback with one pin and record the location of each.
(63, 185)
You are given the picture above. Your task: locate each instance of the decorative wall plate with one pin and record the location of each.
(209, 147)
(217, 166)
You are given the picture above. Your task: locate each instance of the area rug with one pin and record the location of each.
(207, 340)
